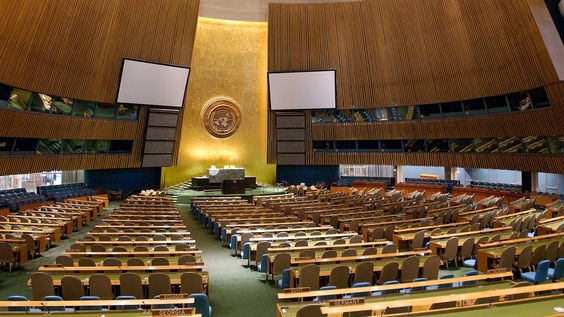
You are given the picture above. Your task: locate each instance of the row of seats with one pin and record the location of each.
(15, 199)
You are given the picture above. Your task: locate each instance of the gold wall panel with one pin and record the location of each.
(229, 60)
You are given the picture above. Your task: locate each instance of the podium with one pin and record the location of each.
(233, 186)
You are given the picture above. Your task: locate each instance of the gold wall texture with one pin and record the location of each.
(229, 60)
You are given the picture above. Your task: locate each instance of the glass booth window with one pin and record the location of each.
(535, 144)
(19, 99)
(127, 112)
(461, 145)
(510, 145)
(84, 109)
(49, 146)
(74, 147)
(485, 145)
(556, 144)
(105, 111)
(97, 146)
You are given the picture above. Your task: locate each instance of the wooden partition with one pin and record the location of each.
(403, 53)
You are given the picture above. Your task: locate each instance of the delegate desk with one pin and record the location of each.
(40, 240)
(294, 238)
(438, 243)
(137, 233)
(114, 278)
(61, 228)
(181, 301)
(53, 234)
(549, 226)
(57, 269)
(19, 248)
(325, 269)
(131, 253)
(403, 236)
(488, 256)
(139, 227)
(168, 242)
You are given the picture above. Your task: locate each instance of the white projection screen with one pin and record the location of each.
(302, 90)
(152, 84)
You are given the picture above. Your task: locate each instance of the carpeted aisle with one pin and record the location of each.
(235, 290)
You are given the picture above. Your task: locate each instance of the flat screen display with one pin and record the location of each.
(302, 90)
(153, 84)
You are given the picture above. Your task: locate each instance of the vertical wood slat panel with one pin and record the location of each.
(74, 48)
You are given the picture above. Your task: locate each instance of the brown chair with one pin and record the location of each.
(130, 284)
(86, 262)
(97, 248)
(41, 285)
(140, 248)
(506, 259)
(71, 287)
(191, 282)
(160, 261)
(159, 237)
(390, 248)
(418, 240)
(524, 260)
(7, 256)
(551, 251)
(339, 276)
(111, 262)
(301, 243)
(431, 267)
(450, 252)
(364, 272)
(329, 254)
(280, 263)
(64, 260)
(348, 252)
(101, 286)
(320, 243)
(161, 248)
(104, 237)
(537, 256)
(339, 242)
(185, 259)
(309, 277)
(135, 262)
(466, 249)
(389, 272)
(32, 246)
(119, 249)
(78, 246)
(307, 254)
(124, 238)
(159, 283)
(370, 251)
(409, 269)
(310, 311)
(141, 238)
(377, 234)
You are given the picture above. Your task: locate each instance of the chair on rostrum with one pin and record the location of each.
(540, 275)
(558, 271)
(431, 267)
(41, 285)
(201, 303)
(191, 282)
(100, 286)
(64, 260)
(339, 276)
(309, 277)
(389, 272)
(71, 287)
(409, 269)
(7, 256)
(131, 284)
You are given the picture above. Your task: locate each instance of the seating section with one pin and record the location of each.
(59, 193)
(15, 198)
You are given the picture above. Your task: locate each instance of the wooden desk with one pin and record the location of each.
(135, 243)
(132, 254)
(123, 268)
(325, 269)
(548, 226)
(19, 247)
(39, 239)
(54, 234)
(488, 256)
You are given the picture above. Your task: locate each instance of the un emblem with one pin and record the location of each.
(221, 117)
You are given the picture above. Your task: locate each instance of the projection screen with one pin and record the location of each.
(152, 84)
(302, 90)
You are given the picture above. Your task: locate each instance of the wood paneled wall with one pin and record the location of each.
(411, 52)
(75, 48)
(407, 52)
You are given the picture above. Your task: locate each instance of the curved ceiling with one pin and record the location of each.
(246, 10)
